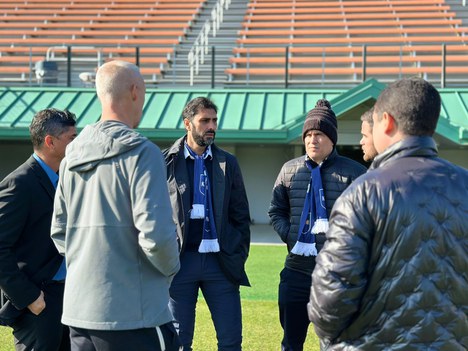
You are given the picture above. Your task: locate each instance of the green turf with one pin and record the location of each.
(261, 328)
(263, 268)
(6, 341)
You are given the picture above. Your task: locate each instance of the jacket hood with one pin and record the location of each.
(98, 142)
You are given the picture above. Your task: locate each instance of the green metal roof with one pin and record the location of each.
(245, 116)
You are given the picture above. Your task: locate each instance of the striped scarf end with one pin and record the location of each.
(209, 245)
(198, 211)
(304, 249)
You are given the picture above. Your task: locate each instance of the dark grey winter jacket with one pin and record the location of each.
(289, 194)
(393, 274)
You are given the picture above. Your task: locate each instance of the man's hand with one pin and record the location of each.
(38, 306)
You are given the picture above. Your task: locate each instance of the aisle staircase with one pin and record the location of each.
(209, 75)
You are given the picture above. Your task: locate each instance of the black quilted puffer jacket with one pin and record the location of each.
(289, 193)
(393, 274)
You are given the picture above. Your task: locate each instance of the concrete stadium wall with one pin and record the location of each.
(12, 154)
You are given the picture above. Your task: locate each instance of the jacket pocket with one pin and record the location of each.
(233, 267)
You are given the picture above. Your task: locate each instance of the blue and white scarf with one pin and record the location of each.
(314, 215)
(202, 206)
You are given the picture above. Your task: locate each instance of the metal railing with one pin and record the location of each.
(345, 64)
(196, 55)
(443, 65)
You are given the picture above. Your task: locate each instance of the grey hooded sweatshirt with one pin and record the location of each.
(113, 222)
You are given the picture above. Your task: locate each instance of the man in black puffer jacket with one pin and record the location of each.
(326, 174)
(393, 272)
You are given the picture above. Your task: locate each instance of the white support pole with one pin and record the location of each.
(213, 18)
(220, 15)
(190, 62)
(207, 34)
(197, 58)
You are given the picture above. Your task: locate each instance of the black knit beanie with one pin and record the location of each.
(322, 118)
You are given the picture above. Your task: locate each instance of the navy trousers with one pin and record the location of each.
(293, 296)
(202, 272)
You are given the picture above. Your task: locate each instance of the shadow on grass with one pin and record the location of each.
(261, 328)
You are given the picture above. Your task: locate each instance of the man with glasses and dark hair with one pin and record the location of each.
(31, 269)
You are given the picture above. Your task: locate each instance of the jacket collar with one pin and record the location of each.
(176, 147)
(412, 146)
(328, 161)
(207, 153)
(42, 176)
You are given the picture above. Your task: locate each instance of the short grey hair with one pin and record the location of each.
(116, 77)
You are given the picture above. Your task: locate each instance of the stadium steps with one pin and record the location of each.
(225, 40)
(460, 9)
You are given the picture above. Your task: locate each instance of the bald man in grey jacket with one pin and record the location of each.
(113, 221)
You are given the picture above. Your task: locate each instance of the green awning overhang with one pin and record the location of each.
(245, 115)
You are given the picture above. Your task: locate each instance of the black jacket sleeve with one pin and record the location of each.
(340, 275)
(279, 211)
(14, 213)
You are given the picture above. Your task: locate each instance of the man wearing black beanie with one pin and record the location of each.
(302, 199)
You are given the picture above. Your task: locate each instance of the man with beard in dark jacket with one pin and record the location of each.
(303, 196)
(393, 272)
(213, 225)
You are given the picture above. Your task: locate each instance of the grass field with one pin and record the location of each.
(261, 328)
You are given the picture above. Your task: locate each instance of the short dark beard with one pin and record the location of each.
(199, 139)
(202, 142)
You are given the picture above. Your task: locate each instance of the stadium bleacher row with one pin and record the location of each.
(305, 40)
(32, 28)
(393, 32)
